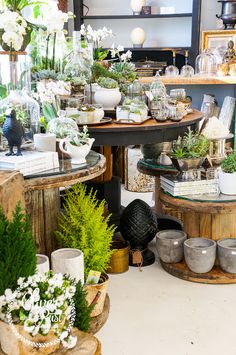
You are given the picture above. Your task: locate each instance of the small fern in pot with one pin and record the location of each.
(227, 175)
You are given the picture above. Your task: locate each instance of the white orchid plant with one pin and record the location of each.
(117, 52)
(42, 303)
(96, 37)
(13, 27)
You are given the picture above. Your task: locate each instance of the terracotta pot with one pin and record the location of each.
(96, 294)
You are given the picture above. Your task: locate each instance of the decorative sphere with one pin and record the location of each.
(136, 5)
(138, 224)
(138, 36)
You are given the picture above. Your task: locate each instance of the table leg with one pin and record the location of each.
(158, 204)
(43, 207)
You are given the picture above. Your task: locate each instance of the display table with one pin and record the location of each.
(42, 196)
(212, 217)
(151, 168)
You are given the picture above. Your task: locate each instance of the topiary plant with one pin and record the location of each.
(84, 227)
(17, 249)
(82, 309)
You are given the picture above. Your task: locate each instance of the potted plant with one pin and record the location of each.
(40, 312)
(83, 226)
(78, 145)
(108, 93)
(189, 151)
(227, 175)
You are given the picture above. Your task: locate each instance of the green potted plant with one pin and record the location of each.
(189, 151)
(227, 175)
(83, 226)
(107, 93)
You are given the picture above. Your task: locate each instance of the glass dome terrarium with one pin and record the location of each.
(62, 126)
(206, 64)
(157, 88)
(135, 91)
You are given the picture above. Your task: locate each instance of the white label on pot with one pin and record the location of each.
(176, 243)
(204, 252)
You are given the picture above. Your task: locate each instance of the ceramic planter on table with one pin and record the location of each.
(69, 261)
(108, 98)
(227, 254)
(45, 142)
(170, 245)
(227, 183)
(200, 254)
(77, 154)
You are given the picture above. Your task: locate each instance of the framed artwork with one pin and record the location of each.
(218, 39)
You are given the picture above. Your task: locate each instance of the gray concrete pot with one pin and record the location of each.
(170, 245)
(227, 254)
(200, 254)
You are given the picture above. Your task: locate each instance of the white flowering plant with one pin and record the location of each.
(116, 52)
(42, 303)
(96, 37)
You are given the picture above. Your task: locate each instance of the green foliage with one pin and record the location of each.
(17, 249)
(98, 70)
(107, 83)
(19, 5)
(82, 309)
(124, 70)
(100, 54)
(228, 165)
(84, 227)
(49, 112)
(191, 145)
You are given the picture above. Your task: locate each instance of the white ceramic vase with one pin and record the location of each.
(108, 98)
(227, 183)
(138, 37)
(69, 261)
(45, 142)
(136, 6)
(42, 263)
(77, 154)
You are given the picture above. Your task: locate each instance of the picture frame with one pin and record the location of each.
(218, 39)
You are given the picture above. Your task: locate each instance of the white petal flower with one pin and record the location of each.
(70, 342)
(120, 48)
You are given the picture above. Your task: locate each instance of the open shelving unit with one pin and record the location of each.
(149, 52)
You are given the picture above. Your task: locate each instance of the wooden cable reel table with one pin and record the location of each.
(209, 217)
(42, 196)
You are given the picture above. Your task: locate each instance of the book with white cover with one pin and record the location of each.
(30, 162)
(176, 180)
(189, 190)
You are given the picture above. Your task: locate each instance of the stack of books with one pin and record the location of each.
(175, 186)
(30, 162)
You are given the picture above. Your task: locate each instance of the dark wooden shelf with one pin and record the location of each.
(156, 49)
(119, 17)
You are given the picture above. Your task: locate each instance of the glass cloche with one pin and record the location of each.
(62, 126)
(27, 111)
(206, 64)
(157, 88)
(135, 91)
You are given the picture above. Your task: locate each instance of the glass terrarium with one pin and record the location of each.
(206, 64)
(135, 91)
(187, 70)
(62, 126)
(157, 88)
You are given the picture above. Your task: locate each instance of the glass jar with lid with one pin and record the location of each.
(135, 91)
(157, 88)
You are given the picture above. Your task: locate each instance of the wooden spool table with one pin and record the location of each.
(42, 196)
(204, 216)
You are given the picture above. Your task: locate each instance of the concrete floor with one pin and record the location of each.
(154, 313)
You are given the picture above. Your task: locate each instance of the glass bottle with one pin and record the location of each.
(172, 70)
(187, 70)
(135, 91)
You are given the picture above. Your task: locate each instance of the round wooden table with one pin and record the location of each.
(212, 217)
(42, 197)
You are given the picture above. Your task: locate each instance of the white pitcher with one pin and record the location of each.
(77, 154)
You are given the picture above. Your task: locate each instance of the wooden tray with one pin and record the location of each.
(104, 120)
(130, 122)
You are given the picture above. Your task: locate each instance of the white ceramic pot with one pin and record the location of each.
(42, 263)
(227, 183)
(108, 98)
(136, 6)
(45, 142)
(69, 261)
(77, 154)
(98, 113)
(138, 37)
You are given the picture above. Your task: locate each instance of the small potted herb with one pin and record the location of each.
(108, 93)
(86, 114)
(227, 175)
(78, 145)
(190, 151)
